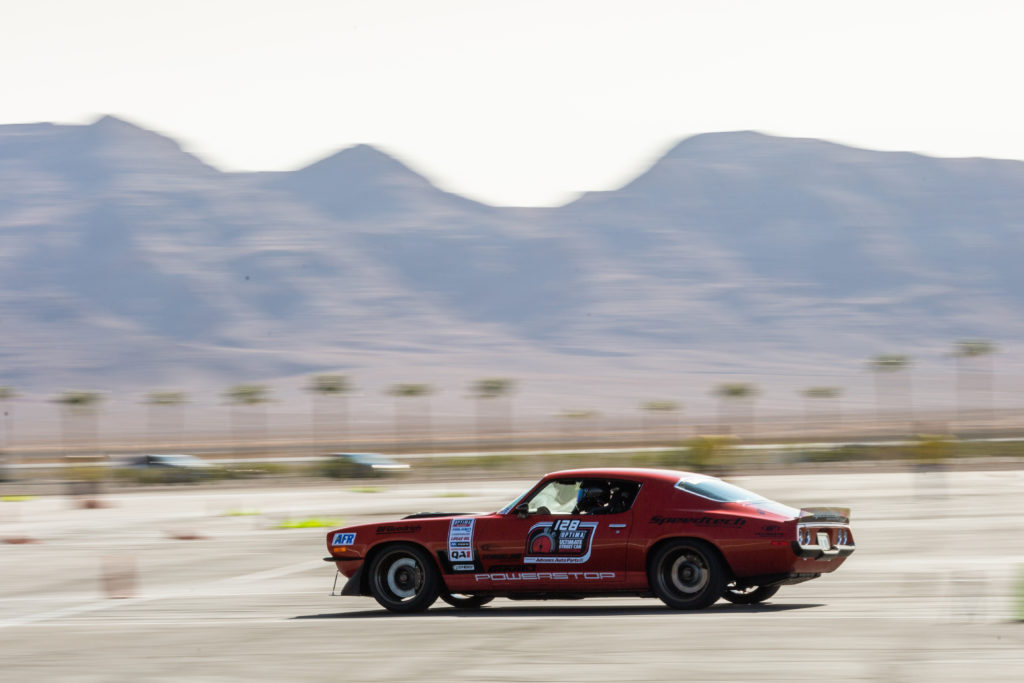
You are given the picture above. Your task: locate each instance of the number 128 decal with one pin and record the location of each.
(564, 541)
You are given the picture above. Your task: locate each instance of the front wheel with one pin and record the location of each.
(466, 601)
(750, 595)
(686, 574)
(403, 578)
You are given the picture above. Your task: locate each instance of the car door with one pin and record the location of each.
(549, 546)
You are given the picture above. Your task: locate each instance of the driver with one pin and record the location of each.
(592, 499)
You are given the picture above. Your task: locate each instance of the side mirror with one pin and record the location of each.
(522, 511)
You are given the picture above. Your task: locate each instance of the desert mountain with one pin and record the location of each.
(127, 261)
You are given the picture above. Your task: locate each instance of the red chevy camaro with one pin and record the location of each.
(688, 539)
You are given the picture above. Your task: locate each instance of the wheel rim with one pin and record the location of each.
(688, 573)
(404, 578)
(736, 590)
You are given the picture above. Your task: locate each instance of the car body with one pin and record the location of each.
(686, 538)
(365, 464)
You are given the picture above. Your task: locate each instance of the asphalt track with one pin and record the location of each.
(213, 595)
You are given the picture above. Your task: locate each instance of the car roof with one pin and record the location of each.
(642, 473)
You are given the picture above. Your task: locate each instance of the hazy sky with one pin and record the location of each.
(523, 102)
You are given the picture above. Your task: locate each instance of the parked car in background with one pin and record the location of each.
(344, 465)
(173, 467)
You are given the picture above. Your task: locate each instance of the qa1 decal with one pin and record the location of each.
(564, 541)
(460, 540)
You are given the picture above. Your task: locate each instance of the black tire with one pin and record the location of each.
(466, 601)
(686, 574)
(404, 578)
(750, 595)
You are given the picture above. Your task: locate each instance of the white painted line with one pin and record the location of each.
(274, 573)
(110, 603)
(71, 611)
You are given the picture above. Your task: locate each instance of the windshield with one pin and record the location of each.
(511, 506)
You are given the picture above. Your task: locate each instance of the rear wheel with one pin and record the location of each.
(686, 574)
(466, 601)
(403, 578)
(749, 595)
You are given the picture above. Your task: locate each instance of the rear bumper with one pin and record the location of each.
(816, 552)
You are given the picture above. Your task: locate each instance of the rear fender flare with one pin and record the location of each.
(653, 548)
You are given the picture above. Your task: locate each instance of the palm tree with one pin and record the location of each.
(657, 407)
(822, 394)
(164, 404)
(894, 366)
(738, 394)
(489, 389)
(78, 414)
(333, 387)
(973, 361)
(241, 396)
(406, 391)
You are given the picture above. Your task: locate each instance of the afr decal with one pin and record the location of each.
(564, 541)
(343, 539)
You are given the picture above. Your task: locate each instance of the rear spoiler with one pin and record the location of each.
(830, 514)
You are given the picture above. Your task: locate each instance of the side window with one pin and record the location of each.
(623, 495)
(606, 496)
(584, 497)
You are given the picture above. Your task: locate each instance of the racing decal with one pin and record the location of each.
(460, 540)
(564, 541)
(343, 539)
(770, 531)
(456, 567)
(545, 576)
(398, 528)
(502, 556)
(700, 521)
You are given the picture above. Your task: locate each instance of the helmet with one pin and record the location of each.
(590, 498)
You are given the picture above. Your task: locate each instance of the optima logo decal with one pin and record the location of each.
(565, 541)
